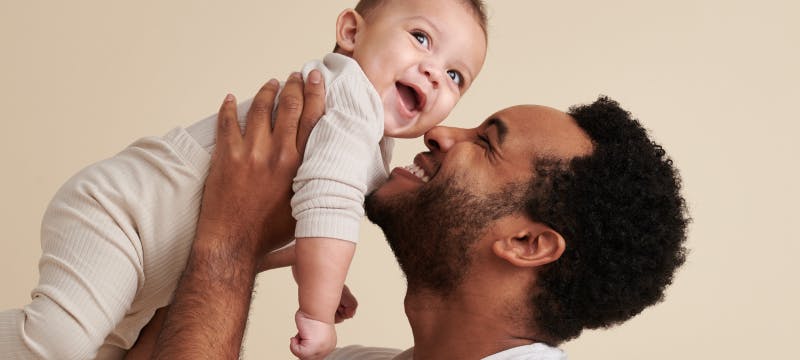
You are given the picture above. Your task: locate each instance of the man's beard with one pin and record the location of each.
(431, 231)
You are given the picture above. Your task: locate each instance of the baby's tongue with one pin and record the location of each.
(408, 96)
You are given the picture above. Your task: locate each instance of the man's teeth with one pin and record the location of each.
(418, 172)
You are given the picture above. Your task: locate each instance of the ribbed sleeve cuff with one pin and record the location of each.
(328, 224)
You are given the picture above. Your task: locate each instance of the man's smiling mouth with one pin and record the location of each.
(418, 172)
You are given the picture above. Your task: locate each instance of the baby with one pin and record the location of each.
(116, 236)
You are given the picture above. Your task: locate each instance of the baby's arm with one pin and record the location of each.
(320, 271)
(342, 160)
(287, 257)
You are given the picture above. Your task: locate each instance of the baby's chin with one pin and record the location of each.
(401, 128)
(403, 133)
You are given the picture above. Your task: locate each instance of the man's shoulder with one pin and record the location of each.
(358, 352)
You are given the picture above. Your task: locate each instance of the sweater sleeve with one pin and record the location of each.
(93, 264)
(343, 156)
(88, 273)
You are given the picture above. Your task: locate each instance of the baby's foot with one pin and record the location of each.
(314, 340)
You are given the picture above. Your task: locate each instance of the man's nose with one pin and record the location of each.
(442, 138)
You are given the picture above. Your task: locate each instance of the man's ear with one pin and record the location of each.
(526, 243)
(348, 25)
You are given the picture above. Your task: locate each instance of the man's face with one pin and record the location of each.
(433, 210)
(421, 56)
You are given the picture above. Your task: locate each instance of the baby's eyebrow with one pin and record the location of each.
(427, 22)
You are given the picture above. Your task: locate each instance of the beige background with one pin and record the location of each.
(715, 80)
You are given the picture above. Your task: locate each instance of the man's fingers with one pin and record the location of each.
(260, 114)
(313, 108)
(228, 133)
(290, 106)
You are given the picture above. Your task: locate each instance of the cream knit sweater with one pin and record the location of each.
(116, 236)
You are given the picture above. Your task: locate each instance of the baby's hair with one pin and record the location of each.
(366, 7)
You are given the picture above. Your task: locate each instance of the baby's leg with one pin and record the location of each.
(321, 269)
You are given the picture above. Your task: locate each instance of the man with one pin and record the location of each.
(533, 226)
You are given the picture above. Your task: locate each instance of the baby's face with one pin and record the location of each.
(421, 56)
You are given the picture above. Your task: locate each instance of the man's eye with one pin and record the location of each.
(484, 141)
(422, 38)
(456, 76)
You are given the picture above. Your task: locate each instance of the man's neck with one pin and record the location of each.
(460, 326)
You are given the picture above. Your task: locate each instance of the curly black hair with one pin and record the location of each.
(624, 221)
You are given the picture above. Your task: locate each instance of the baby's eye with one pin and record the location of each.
(422, 38)
(456, 76)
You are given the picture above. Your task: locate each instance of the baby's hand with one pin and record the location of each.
(347, 306)
(314, 340)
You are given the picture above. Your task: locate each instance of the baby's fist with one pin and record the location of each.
(314, 340)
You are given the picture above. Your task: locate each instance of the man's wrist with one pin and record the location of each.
(220, 242)
(210, 327)
(228, 265)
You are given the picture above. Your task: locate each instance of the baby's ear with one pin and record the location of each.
(348, 25)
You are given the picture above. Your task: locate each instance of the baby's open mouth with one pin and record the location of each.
(411, 99)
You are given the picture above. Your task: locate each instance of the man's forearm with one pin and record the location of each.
(211, 305)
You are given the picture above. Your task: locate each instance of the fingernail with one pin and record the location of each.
(295, 75)
(273, 82)
(229, 98)
(314, 77)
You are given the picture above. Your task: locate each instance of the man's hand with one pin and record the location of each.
(245, 213)
(249, 185)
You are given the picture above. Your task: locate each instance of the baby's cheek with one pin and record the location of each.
(450, 104)
(434, 119)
